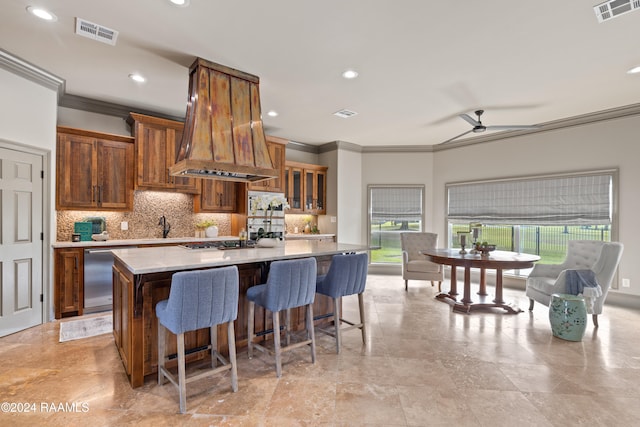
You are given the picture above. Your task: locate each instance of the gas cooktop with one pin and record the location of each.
(223, 245)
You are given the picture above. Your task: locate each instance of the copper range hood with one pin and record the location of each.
(223, 134)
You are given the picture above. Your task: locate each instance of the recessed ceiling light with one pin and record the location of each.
(137, 78)
(634, 70)
(272, 113)
(180, 3)
(350, 74)
(42, 13)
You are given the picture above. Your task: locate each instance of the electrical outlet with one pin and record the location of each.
(333, 219)
(124, 226)
(626, 283)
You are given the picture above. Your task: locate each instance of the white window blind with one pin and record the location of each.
(395, 204)
(568, 199)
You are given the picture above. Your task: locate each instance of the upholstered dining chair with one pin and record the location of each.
(290, 284)
(199, 299)
(347, 275)
(601, 258)
(416, 266)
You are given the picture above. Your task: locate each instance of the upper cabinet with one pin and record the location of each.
(216, 196)
(157, 144)
(306, 188)
(94, 170)
(277, 147)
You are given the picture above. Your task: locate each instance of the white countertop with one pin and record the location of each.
(177, 258)
(134, 242)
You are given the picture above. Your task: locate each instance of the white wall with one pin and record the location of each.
(350, 207)
(28, 118)
(93, 121)
(602, 145)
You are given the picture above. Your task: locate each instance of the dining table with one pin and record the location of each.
(495, 260)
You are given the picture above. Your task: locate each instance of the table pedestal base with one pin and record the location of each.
(468, 308)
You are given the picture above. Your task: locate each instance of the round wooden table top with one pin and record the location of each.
(496, 259)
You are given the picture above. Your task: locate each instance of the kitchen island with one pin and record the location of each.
(142, 278)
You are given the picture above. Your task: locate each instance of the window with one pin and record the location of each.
(392, 210)
(536, 215)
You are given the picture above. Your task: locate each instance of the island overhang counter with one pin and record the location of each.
(142, 278)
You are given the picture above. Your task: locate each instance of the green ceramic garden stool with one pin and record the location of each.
(568, 316)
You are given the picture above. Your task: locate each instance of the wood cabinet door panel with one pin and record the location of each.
(277, 152)
(216, 196)
(115, 174)
(151, 153)
(76, 178)
(68, 286)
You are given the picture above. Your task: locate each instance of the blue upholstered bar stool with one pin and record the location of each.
(347, 275)
(290, 284)
(199, 299)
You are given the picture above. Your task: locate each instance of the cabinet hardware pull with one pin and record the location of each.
(100, 194)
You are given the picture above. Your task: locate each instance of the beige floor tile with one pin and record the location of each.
(421, 365)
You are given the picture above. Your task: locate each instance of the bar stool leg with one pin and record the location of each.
(250, 334)
(232, 356)
(182, 383)
(276, 342)
(362, 322)
(310, 331)
(162, 336)
(336, 322)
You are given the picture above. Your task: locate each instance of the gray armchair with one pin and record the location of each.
(600, 257)
(416, 266)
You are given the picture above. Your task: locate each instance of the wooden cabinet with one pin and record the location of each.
(306, 188)
(157, 142)
(216, 196)
(94, 171)
(277, 148)
(69, 282)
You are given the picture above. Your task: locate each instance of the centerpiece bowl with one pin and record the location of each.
(485, 249)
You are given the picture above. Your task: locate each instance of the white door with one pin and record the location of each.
(20, 241)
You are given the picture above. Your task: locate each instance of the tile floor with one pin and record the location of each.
(422, 366)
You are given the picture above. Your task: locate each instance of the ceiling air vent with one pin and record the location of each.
(96, 32)
(614, 8)
(345, 114)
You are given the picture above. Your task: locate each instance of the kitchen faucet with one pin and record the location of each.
(165, 226)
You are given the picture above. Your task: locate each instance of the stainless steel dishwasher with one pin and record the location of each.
(98, 286)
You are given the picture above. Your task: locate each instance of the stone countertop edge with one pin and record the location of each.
(176, 258)
(301, 236)
(133, 242)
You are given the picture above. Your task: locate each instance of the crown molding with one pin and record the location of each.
(28, 71)
(581, 120)
(109, 108)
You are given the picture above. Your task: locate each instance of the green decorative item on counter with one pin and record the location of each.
(205, 223)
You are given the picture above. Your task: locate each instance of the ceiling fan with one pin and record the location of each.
(478, 127)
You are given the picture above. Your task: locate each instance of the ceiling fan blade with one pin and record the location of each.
(469, 120)
(456, 137)
(513, 127)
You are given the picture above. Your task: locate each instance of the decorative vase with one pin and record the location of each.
(267, 242)
(568, 316)
(211, 231)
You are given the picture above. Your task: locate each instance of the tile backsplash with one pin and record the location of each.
(148, 207)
